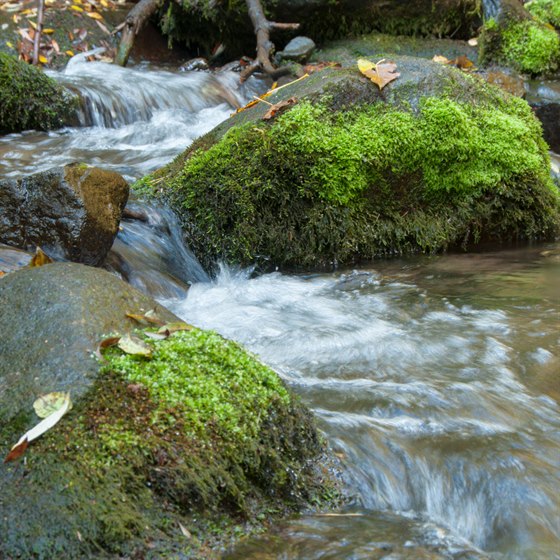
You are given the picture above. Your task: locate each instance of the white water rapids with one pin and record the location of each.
(436, 380)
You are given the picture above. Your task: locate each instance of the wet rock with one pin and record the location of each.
(299, 49)
(507, 79)
(29, 99)
(73, 213)
(349, 172)
(194, 64)
(153, 449)
(53, 318)
(12, 259)
(544, 97)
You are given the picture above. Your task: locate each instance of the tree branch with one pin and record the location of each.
(133, 23)
(263, 27)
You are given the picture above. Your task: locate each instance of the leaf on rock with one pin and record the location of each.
(175, 327)
(158, 335)
(39, 258)
(149, 318)
(106, 343)
(441, 59)
(461, 62)
(380, 74)
(48, 404)
(46, 424)
(17, 451)
(273, 110)
(135, 346)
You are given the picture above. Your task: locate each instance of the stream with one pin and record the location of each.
(435, 379)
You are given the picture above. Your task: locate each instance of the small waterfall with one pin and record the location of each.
(149, 253)
(113, 97)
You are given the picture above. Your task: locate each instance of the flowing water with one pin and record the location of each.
(435, 379)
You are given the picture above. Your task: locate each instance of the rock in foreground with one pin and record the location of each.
(438, 158)
(73, 213)
(158, 458)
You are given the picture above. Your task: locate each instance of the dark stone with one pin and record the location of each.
(194, 64)
(544, 97)
(298, 49)
(53, 318)
(72, 213)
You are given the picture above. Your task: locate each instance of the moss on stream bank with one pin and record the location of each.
(349, 173)
(202, 438)
(29, 99)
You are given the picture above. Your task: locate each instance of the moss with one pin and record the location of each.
(201, 435)
(29, 99)
(528, 46)
(321, 186)
(547, 11)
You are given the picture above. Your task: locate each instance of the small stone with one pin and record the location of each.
(298, 49)
(194, 64)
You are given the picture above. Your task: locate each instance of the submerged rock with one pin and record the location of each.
(29, 99)
(72, 213)
(161, 457)
(438, 158)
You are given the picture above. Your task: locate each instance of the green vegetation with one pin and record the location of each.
(201, 435)
(548, 11)
(528, 46)
(326, 183)
(29, 99)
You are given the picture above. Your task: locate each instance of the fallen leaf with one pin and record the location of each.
(473, 42)
(17, 451)
(463, 63)
(39, 258)
(175, 327)
(47, 404)
(380, 74)
(95, 15)
(441, 59)
(157, 335)
(149, 318)
(19, 448)
(2, 273)
(76, 8)
(185, 531)
(43, 60)
(278, 107)
(48, 31)
(69, 53)
(106, 343)
(9, 44)
(133, 345)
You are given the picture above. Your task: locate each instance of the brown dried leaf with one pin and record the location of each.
(380, 74)
(273, 110)
(175, 327)
(106, 343)
(441, 59)
(39, 258)
(17, 451)
(149, 318)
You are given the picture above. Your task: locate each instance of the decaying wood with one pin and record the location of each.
(263, 27)
(133, 23)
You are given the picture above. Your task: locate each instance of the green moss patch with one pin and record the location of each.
(528, 46)
(201, 436)
(29, 99)
(547, 11)
(336, 180)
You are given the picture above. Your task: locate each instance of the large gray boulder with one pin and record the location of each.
(53, 318)
(72, 213)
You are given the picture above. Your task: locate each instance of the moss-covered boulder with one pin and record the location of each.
(168, 457)
(436, 159)
(29, 99)
(548, 11)
(514, 38)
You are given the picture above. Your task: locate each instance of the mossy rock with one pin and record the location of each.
(29, 99)
(437, 159)
(168, 457)
(514, 38)
(547, 11)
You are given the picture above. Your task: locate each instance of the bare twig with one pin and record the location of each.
(38, 31)
(263, 27)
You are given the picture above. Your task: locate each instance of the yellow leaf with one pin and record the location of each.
(43, 59)
(9, 44)
(47, 404)
(76, 8)
(69, 53)
(174, 327)
(95, 15)
(48, 31)
(33, 24)
(40, 258)
(380, 74)
(441, 59)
